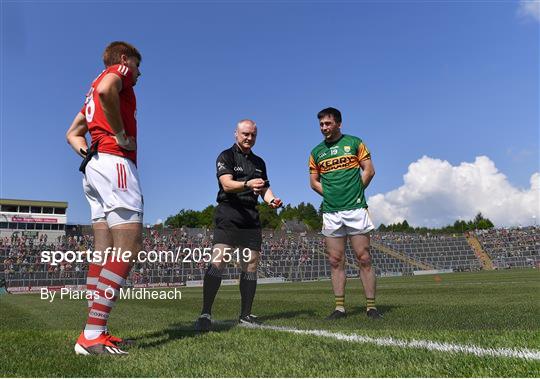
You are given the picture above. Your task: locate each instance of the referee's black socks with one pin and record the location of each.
(211, 284)
(248, 286)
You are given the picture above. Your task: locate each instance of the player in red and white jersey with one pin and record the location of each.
(96, 117)
(111, 186)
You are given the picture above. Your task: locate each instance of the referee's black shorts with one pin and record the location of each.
(237, 226)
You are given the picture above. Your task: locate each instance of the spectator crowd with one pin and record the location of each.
(283, 254)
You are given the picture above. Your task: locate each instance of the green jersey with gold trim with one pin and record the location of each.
(338, 164)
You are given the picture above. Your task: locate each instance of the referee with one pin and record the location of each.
(237, 235)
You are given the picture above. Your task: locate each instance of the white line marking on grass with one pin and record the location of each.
(444, 283)
(415, 344)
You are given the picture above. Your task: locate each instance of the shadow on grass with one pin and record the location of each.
(287, 315)
(178, 331)
(183, 330)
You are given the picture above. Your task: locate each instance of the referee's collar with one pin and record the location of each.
(235, 147)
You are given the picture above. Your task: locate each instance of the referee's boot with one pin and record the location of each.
(249, 320)
(203, 323)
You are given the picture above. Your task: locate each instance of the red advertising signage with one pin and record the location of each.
(36, 219)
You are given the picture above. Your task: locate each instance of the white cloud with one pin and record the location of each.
(528, 8)
(435, 193)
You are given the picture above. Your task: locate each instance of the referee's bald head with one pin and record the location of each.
(245, 134)
(245, 122)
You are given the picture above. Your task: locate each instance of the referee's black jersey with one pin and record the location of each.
(242, 167)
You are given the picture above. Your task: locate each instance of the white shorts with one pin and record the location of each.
(111, 183)
(347, 223)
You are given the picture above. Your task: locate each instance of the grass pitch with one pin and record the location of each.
(488, 309)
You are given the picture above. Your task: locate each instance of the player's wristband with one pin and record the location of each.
(246, 185)
(121, 138)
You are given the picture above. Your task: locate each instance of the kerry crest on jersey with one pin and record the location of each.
(338, 165)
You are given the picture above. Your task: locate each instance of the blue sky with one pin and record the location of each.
(424, 84)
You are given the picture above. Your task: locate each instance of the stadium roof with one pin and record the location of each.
(35, 203)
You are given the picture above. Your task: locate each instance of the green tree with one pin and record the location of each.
(308, 214)
(189, 218)
(268, 216)
(320, 212)
(206, 216)
(288, 213)
(405, 226)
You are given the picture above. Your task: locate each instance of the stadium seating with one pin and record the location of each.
(291, 256)
(509, 248)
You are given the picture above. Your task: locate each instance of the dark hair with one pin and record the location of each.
(113, 53)
(336, 114)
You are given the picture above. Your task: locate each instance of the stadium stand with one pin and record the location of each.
(481, 254)
(509, 248)
(438, 251)
(32, 218)
(286, 255)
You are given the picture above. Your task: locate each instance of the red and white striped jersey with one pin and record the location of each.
(99, 127)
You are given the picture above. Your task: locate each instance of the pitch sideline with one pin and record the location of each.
(416, 344)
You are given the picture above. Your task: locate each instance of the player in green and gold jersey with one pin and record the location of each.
(340, 169)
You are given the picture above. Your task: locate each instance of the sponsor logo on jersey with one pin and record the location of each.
(322, 155)
(238, 169)
(341, 163)
(220, 166)
(347, 149)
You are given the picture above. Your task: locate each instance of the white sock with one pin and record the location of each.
(92, 334)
